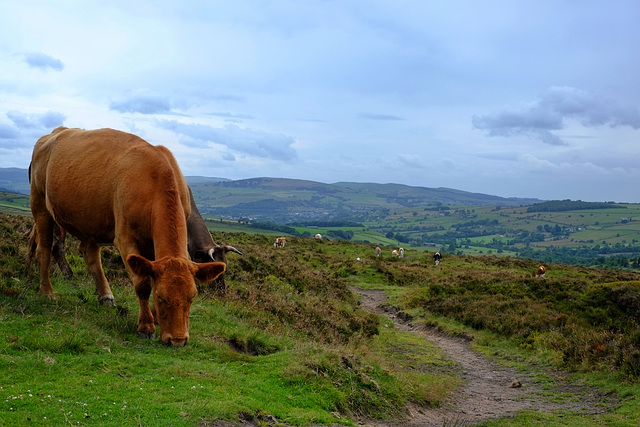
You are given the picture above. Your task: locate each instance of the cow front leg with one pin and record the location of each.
(146, 325)
(91, 255)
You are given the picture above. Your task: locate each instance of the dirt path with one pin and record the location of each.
(489, 391)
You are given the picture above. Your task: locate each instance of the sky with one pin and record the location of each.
(527, 98)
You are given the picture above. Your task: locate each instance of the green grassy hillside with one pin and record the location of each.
(588, 234)
(289, 340)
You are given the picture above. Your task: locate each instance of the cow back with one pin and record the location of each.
(95, 181)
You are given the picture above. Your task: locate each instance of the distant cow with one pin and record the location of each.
(106, 186)
(394, 253)
(279, 243)
(401, 252)
(541, 271)
(437, 257)
(378, 250)
(318, 236)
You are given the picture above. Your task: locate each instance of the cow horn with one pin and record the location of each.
(229, 248)
(211, 254)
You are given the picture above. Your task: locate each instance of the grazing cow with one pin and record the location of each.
(106, 186)
(378, 250)
(401, 252)
(541, 271)
(201, 246)
(279, 243)
(437, 257)
(394, 253)
(318, 236)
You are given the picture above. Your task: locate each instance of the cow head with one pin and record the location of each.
(217, 253)
(174, 288)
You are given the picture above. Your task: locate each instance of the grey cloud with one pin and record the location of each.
(378, 116)
(143, 103)
(411, 161)
(551, 109)
(43, 62)
(249, 141)
(44, 121)
(8, 132)
(231, 116)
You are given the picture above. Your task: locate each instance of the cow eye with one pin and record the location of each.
(160, 300)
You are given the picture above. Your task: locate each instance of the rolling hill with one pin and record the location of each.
(281, 200)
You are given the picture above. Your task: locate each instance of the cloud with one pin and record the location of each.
(142, 102)
(411, 161)
(378, 116)
(25, 129)
(549, 112)
(232, 117)
(44, 121)
(253, 142)
(8, 132)
(43, 62)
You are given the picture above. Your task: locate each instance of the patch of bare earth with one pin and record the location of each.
(491, 390)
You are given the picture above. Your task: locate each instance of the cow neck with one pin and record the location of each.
(169, 226)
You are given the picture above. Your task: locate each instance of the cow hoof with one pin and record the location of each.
(107, 300)
(151, 336)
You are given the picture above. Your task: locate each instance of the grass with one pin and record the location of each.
(289, 340)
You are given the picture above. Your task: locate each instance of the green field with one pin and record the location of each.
(591, 237)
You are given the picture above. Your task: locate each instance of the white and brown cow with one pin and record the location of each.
(279, 243)
(105, 186)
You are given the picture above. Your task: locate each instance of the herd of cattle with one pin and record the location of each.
(131, 194)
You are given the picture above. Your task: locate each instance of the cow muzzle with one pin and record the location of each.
(175, 342)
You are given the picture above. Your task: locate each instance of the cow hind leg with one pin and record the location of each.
(59, 254)
(91, 254)
(43, 230)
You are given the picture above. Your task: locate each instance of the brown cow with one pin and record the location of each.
(201, 246)
(541, 271)
(106, 186)
(280, 241)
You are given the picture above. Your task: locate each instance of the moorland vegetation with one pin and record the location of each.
(289, 341)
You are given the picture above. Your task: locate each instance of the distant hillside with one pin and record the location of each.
(289, 200)
(282, 200)
(15, 180)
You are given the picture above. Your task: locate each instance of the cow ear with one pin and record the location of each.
(140, 266)
(209, 271)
